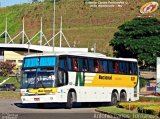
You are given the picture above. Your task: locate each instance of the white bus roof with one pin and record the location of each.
(85, 54)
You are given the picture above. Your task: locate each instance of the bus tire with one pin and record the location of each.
(69, 103)
(123, 97)
(114, 98)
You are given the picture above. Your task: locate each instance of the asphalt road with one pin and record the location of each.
(13, 109)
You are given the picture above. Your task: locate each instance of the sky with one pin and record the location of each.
(4, 3)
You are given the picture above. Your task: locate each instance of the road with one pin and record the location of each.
(13, 109)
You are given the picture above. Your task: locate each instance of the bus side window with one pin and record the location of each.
(101, 62)
(124, 65)
(75, 64)
(110, 66)
(91, 65)
(96, 65)
(135, 68)
(83, 64)
(62, 62)
(127, 67)
(116, 67)
(69, 62)
(80, 62)
(105, 63)
(121, 68)
(131, 68)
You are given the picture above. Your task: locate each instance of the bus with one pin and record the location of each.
(70, 77)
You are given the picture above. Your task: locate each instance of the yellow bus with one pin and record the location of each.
(67, 77)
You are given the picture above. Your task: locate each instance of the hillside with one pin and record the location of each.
(81, 23)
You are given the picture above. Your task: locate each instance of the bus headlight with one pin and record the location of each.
(24, 94)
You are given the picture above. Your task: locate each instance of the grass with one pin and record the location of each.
(125, 113)
(81, 23)
(2, 78)
(12, 80)
(9, 95)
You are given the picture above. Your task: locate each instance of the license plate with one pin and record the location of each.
(36, 99)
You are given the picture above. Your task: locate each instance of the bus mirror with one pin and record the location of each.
(60, 77)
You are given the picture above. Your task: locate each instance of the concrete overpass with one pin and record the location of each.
(39, 48)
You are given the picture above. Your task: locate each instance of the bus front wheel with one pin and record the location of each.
(114, 98)
(69, 103)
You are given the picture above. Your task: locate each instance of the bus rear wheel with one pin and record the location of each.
(123, 97)
(69, 103)
(114, 98)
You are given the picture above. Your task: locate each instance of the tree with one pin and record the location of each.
(35, 1)
(138, 38)
(6, 68)
(52, 1)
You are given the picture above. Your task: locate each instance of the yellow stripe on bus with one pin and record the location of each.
(43, 90)
(113, 80)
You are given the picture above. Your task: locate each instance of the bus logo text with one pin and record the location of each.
(105, 77)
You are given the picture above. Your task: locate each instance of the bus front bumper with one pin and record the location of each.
(40, 99)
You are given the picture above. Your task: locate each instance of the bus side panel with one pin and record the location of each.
(94, 93)
(101, 94)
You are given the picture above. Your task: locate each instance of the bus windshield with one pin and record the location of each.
(38, 72)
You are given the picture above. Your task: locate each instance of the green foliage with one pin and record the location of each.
(81, 23)
(2, 78)
(153, 109)
(143, 82)
(139, 38)
(6, 68)
(142, 107)
(123, 113)
(14, 81)
(51, 1)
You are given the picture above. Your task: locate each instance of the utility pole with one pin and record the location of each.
(41, 33)
(23, 32)
(28, 48)
(60, 40)
(6, 32)
(54, 15)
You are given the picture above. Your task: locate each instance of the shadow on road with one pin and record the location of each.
(60, 105)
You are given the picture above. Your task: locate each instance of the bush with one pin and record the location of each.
(142, 107)
(143, 82)
(6, 68)
(152, 109)
(134, 105)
